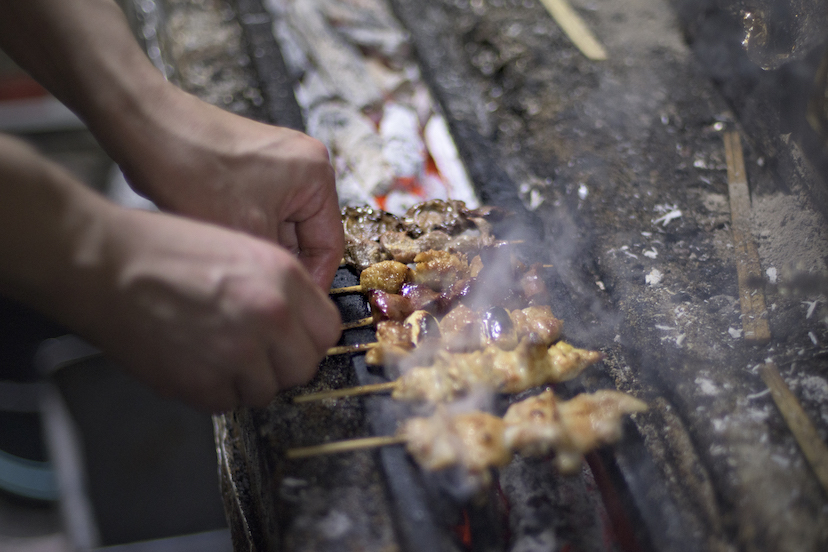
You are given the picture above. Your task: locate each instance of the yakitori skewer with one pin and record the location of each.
(478, 441)
(464, 330)
(453, 374)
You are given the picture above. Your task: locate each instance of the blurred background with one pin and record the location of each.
(89, 458)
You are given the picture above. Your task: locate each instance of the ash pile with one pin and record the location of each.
(619, 172)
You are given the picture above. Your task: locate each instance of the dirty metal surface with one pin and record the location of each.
(621, 165)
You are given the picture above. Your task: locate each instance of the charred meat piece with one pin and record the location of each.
(397, 339)
(361, 254)
(421, 296)
(465, 329)
(451, 217)
(367, 224)
(440, 269)
(422, 325)
(404, 248)
(389, 306)
(387, 276)
(455, 294)
(470, 242)
(533, 286)
(498, 329)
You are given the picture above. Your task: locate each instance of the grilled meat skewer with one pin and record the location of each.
(454, 374)
(478, 441)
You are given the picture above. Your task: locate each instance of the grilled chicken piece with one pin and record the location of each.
(397, 339)
(387, 276)
(478, 441)
(461, 329)
(440, 269)
(571, 428)
(473, 440)
(529, 365)
(396, 333)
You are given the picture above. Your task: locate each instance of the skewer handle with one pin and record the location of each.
(361, 323)
(349, 392)
(344, 446)
(345, 349)
(347, 289)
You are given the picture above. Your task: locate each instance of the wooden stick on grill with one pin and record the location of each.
(348, 349)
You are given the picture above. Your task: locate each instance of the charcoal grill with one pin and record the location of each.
(627, 158)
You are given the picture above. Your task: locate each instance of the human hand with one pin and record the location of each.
(214, 317)
(198, 160)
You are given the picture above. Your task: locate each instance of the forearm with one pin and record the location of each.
(85, 54)
(50, 233)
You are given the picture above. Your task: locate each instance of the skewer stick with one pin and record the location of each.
(748, 267)
(348, 392)
(800, 425)
(356, 348)
(344, 446)
(348, 289)
(361, 323)
(575, 28)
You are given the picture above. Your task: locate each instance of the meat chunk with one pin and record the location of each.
(363, 253)
(404, 248)
(440, 269)
(473, 440)
(389, 306)
(538, 321)
(387, 276)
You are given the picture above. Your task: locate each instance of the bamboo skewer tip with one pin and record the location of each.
(347, 392)
(344, 446)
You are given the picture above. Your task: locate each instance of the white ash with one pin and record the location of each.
(355, 70)
(402, 146)
(707, 387)
(654, 277)
(790, 235)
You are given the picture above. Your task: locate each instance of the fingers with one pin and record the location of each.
(321, 243)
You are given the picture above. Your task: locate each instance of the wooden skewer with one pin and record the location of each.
(748, 267)
(575, 28)
(361, 323)
(348, 392)
(348, 289)
(344, 446)
(800, 425)
(356, 348)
